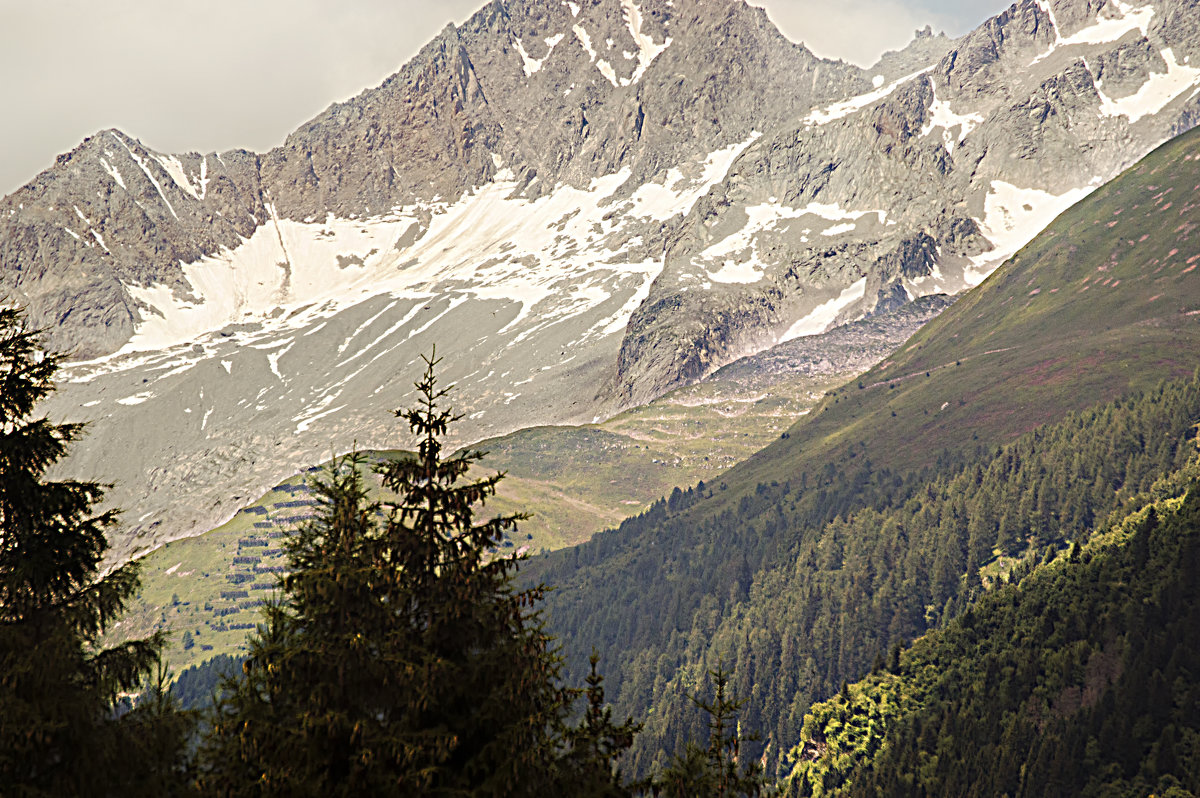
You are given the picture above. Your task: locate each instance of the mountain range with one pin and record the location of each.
(584, 205)
(872, 356)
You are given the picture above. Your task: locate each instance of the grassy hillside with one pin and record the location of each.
(802, 563)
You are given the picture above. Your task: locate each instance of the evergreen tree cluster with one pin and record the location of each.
(400, 659)
(1081, 680)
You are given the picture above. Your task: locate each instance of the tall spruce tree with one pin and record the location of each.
(59, 734)
(401, 660)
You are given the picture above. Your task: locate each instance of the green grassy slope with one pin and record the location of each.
(1106, 300)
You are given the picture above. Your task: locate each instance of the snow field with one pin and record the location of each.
(1156, 93)
(1012, 218)
(819, 318)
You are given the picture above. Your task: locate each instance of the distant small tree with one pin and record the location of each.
(158, 731)
(59, 731)
(592, 750)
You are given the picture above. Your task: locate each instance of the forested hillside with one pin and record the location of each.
(802, 588)
(1078, 679)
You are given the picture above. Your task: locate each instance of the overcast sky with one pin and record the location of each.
(204, 75)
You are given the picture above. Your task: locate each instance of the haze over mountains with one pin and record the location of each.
(583, 205)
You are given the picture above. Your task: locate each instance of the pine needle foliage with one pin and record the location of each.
(716, 771)
(400, 659)
(58, 731)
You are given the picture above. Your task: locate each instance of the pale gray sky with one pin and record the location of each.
(209, 75)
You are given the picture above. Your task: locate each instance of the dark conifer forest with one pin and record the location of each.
(840, 565)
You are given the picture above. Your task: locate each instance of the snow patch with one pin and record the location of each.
(417, 308)
(1105, 30)
(766, 216)
(617, 322)
(1012, 218)
(839, 229)
(175, 169)
(1156, 93)
(819, 318)
(316, 413)
(533, 65)
(730, 272)
(273, 359)
(100, 240)
(556, 258)
(141, 162)
(608, 72)
(283, 263)
(112, 172)
(136, 399)
(647, 49)
(842, 109)
(674, 196)
(585, 41)
(941, 115)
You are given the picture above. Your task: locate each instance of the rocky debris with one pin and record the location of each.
(847, 348)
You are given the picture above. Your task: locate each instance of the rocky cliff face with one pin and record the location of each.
(924, 186)
(583, 204)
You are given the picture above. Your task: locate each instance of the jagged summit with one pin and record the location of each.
(584, 204)
(924, 185)
(553, 93)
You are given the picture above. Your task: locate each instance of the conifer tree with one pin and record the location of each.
(401, 660)
(715, 772)
(292, 726)
(594, 748)
(58, 729)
